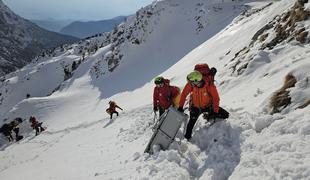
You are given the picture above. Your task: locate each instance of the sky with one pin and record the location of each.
(74, 9)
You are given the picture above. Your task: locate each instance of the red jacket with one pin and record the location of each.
(201, 97)
(34, 122)
(113, 107)
(163, 96)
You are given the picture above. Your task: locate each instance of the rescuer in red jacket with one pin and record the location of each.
(112, 109)
(164, 95)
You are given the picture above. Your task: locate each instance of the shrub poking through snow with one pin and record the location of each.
(304, 105)
(281, 98)
(284, 28)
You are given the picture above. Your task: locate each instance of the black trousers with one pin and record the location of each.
(8, 135)
(114, 112)
(16, 130)
(193, 116)
(196, 112)
(161, 111)
(39, 128)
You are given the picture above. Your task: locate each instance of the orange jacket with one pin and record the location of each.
(201, 97)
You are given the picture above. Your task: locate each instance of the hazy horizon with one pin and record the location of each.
(81, 10)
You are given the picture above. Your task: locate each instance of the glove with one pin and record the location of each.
(213, 71)
(213, 114)
(155, 109)
(205, 116)
(181, 109)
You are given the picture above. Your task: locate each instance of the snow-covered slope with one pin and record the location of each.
(157, 37)
(82, 143)
(45, 75)
(22, 40)
(154, 39)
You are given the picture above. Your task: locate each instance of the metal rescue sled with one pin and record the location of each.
(166, 129)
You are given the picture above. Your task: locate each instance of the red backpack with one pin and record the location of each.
(205, 71)
(167, 82)
(176, 97)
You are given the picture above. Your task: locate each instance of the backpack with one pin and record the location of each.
(206, 72)
(108, 111)
(203, 69)
(5, 127)
(32, 119)
(18, 119)
(175, 100)
(167, 82)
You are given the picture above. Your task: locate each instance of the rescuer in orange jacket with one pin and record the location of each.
(203, 98)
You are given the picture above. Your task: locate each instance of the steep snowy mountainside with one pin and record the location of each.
(266, 67)
(22, 40)
(47, 72)
(283, 40)
(272, 146)
(158, 36)
(148, 40)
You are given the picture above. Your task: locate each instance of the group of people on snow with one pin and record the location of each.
(13, 126)
(204, 98)
(8, 128)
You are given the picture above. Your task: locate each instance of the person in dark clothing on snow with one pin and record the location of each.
(7, 131)
(14, 125)
(36, 125)
(112, 109)
(164, 95)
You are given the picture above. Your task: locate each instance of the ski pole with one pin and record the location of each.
(155, 116)
(155, 121)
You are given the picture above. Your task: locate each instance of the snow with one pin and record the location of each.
(165, 38)
(278, 152)
(81, 142)
(301, 93)
(307, 6)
